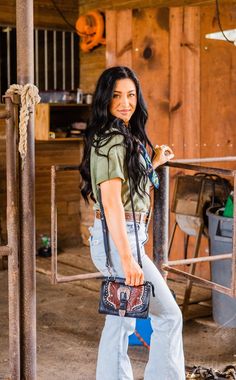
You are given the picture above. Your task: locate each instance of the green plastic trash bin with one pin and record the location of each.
(221, 241)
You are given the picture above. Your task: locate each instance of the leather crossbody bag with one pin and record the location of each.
(117, 298)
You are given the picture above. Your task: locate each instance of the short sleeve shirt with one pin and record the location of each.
(112, 165)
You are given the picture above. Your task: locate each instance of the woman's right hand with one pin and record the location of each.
(133, 272)
(163, 154)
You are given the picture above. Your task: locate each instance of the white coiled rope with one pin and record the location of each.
(29, 95)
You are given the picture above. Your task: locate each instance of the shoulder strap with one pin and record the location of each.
(106, 232)
(135, 224)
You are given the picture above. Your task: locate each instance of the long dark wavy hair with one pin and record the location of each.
(103, 126)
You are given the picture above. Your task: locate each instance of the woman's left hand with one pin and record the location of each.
(163, 154)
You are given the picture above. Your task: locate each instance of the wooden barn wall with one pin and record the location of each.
(67, 190)
(188, 82)
(218, 83)
(91, 66)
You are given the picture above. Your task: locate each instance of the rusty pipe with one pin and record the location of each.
(25, 74)
(199, 168)
(53, 227)
(161, 220)
(204, 159)
(233, 281)
(13, 242)
(201, 281)
(77, 277)
(201, 259)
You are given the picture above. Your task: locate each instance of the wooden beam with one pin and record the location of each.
(86, 5)
(45, 14)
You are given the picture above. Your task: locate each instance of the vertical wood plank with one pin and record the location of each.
(119, 38)
(176, 82)
(185, 81)
(42, 121)
(151, 62)
(218, 86)
(124, 37)
(191, 84)
(111, 38)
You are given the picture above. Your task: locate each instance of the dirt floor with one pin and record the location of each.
(69, 327)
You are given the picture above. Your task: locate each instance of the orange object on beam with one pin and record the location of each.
(90, 27)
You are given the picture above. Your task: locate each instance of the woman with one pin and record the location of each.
(115, 142)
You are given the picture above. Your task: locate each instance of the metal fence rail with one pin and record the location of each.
(160, 229)
(55, 277)
(161, 213)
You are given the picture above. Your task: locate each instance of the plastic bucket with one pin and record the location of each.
(221, 241)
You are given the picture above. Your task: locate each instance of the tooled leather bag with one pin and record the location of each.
(117, 298)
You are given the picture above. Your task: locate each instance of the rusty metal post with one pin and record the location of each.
(161, 220)
(25, 74)
(233, 284)
(13, 238)
(53, 226)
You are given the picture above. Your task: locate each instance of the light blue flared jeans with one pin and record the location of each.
(166, 358)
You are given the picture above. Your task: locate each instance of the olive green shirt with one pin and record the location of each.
(112, 165)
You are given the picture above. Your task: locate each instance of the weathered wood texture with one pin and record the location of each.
(185, 81)
(119, 39)
(151, 63)
(67, 190)
(133, 4)
(91, 66)
(218, 83)
(72, 223)
(45, 14)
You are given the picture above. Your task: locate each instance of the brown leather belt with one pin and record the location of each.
(140, 217)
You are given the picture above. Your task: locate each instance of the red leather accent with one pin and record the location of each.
(112, 294)
(134, 301)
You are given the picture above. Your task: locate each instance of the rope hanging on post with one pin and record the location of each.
(29, 97)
